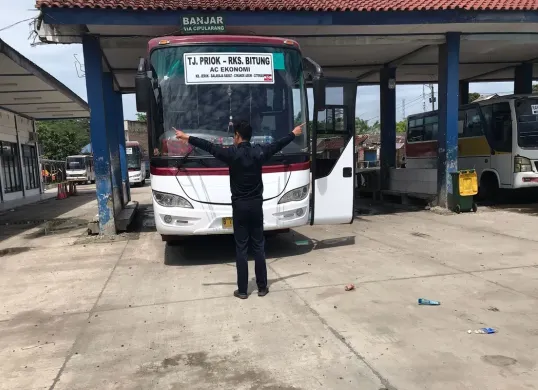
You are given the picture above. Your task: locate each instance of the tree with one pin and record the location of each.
(141, 117)
(401, 126)
(535, 88)
(362, 126)
(473, 96)
(62, 138)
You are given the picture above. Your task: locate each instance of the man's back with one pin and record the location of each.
(246, 172)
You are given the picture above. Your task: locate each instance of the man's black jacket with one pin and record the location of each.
(245, 162)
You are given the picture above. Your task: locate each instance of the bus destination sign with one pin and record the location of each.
(228, 68)
(197, 24)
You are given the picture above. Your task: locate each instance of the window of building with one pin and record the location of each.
(31, 167)
(9, 153)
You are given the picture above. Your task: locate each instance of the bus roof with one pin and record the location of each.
(223, 39)
(484, 102)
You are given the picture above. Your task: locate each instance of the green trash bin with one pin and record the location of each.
(464, 188)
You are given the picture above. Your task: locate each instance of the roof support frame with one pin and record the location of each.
(394, 63)
(489, 73)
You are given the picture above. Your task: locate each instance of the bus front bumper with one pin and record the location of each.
(136, 177)
(211, 219)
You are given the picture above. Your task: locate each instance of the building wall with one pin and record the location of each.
(19, 162)
(137, 131)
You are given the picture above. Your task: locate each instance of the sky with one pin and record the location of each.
(59, 60)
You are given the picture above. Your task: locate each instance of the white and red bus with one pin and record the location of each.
(201, 84)
(497, 137)
(136, 164)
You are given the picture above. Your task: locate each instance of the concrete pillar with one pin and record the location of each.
(118, 104)
(464, 92)
(523, 79)
(100, 139)
(447, 160)
(387, 155)
(113, 141)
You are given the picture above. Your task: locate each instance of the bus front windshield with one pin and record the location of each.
(527, 122)
(76, 163)
(134, 157)
(208, 109)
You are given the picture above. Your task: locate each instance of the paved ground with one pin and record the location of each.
(133, 313)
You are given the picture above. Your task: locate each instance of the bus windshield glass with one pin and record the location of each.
(134, 157)
(76, 163)
(527, 122)
(202, 90)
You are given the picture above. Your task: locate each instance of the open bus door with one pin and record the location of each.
(333, 154)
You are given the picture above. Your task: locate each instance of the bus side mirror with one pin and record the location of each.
(143, 88)
(318, 86)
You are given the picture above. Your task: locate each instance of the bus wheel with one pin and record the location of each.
(489, 187)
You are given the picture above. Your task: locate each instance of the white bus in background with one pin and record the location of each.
(191, 189)
(136, 164)
(79, 169)
(497, 137)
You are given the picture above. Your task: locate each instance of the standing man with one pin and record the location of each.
(245, 162)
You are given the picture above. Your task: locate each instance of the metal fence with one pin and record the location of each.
(52, 171)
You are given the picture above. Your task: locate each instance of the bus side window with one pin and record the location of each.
(473, 126)
(431, 127)
(501, 127)
(461, 124)
(415, 131)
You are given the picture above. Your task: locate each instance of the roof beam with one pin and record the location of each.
(489, 73)
(397, 61)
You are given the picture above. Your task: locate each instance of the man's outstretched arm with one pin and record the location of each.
(223, 154)
(275, 147)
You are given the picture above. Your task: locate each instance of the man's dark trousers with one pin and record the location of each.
(248, 231)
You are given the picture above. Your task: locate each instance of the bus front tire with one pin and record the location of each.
(489, 187)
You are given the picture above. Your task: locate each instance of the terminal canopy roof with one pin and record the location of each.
(349, 38)
(29, 91)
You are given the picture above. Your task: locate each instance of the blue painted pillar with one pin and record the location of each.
(113, 141)
(449, 74)
(99, 139)
(464, 92)
(523, 79)
(387, 154)
(121, 138)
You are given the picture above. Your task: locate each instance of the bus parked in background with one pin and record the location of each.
(79, 169)
(136, 163)
(497, 137)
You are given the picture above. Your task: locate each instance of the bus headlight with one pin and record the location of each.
(170, 200)
(294, 195)
(522, 164)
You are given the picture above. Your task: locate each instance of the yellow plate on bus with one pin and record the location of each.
(227, 223)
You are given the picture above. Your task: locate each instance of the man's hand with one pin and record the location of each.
(181, 135)
(298, 130)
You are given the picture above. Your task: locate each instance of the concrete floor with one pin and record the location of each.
(133, 313)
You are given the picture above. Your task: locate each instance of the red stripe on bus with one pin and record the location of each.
(421, 149)
(173, 171)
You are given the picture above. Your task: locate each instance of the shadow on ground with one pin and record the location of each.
(21, 219)
(221, 249)
(522, 203)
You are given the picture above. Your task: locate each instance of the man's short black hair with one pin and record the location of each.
(244, 129)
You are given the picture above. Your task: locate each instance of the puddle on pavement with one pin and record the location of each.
(14, 251)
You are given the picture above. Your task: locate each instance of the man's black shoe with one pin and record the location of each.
(263, 292)
(239, 295)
